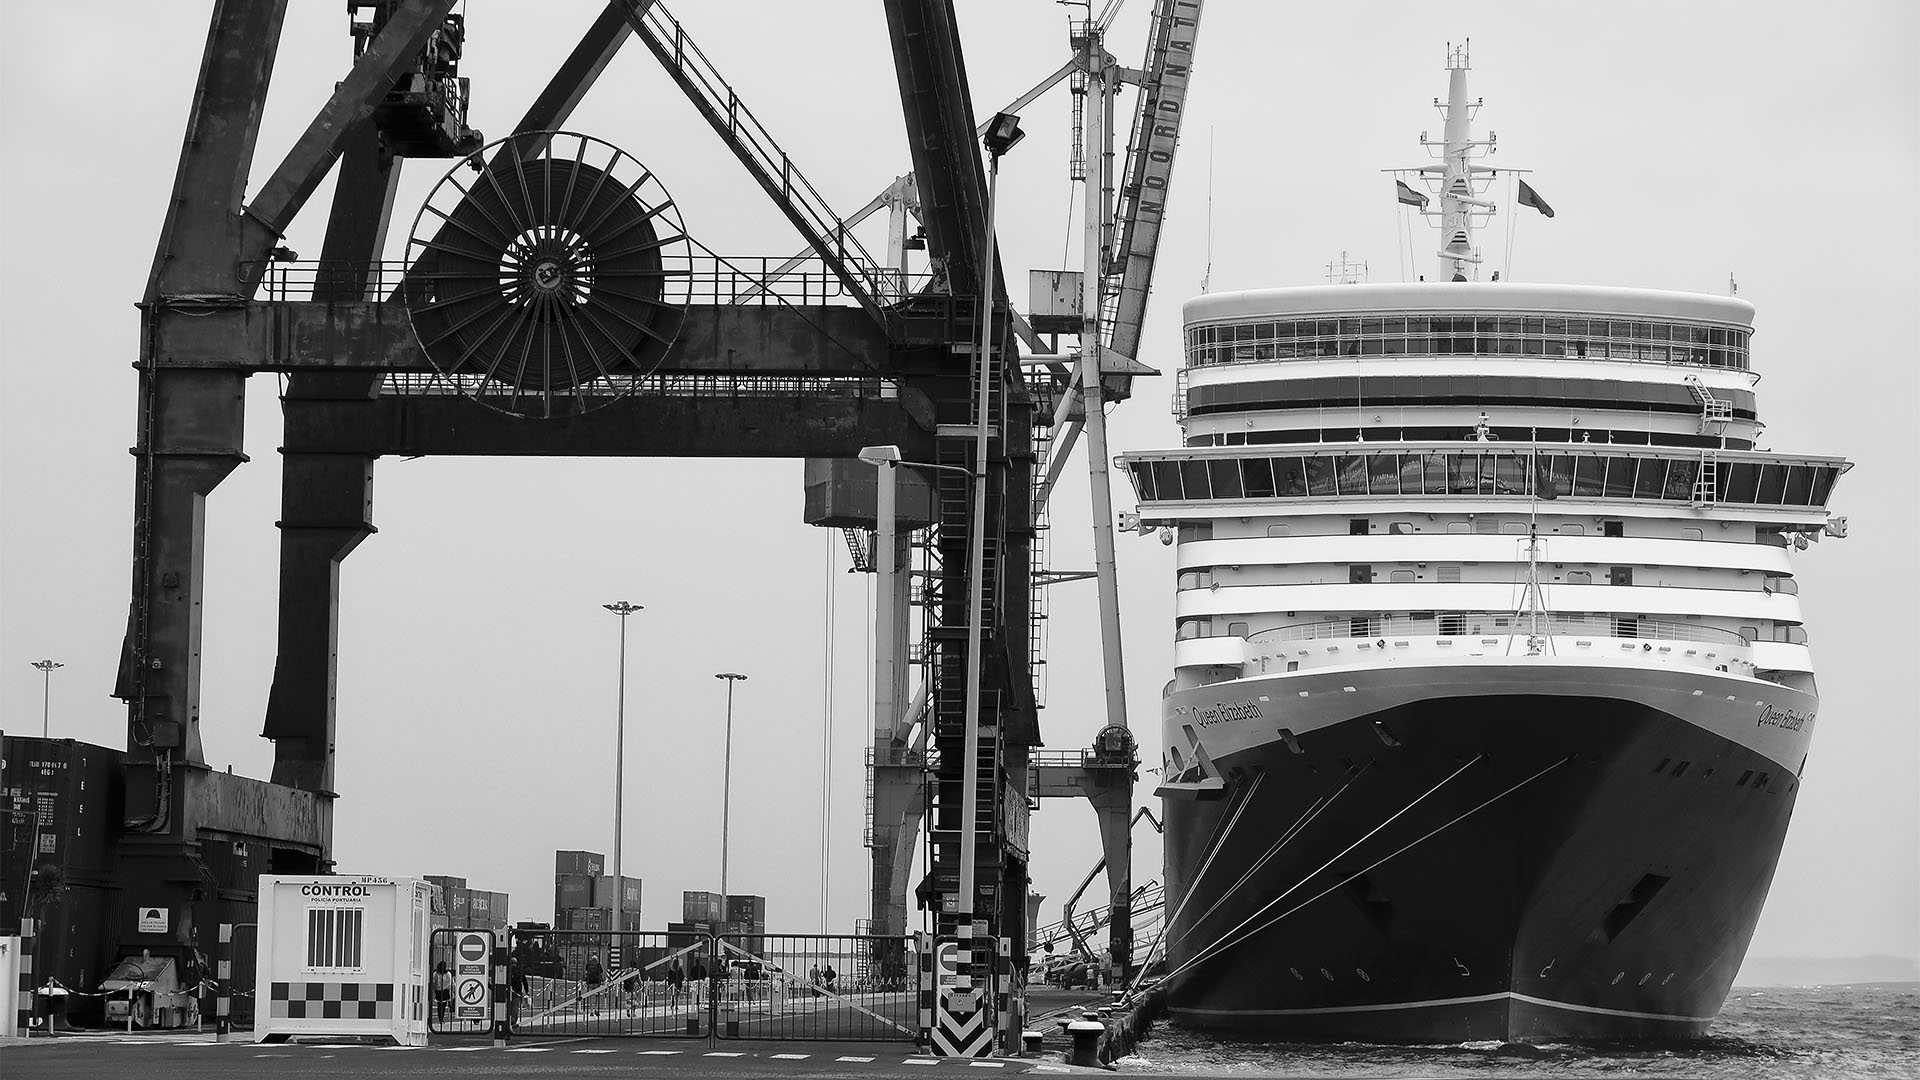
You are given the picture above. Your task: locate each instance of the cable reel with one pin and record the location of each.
(553, 281)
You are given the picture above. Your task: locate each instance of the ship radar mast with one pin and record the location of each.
(1460, 182)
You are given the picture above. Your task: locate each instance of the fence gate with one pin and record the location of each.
(815, 987)
(568, 983)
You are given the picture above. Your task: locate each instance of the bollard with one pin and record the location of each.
(223, 984)
(1030, 1041)
(1086, 1043)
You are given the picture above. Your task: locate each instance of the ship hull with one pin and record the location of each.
(1511, 866)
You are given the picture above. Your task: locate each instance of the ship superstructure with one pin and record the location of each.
(1492, 686)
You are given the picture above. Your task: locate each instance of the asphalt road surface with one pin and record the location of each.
(89, 1057)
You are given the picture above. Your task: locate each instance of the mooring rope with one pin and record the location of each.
(1218, 946)
(1264, 908)
(1214, 845)
(1306, 817)
(1318, 807)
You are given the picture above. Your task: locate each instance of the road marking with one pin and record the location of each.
(272, 1055)
(394, 1047)
(659, 1053)
(590, 1050)
(530, 1050)
(723, 1053)
(461, 1049)
(1051, 1068)
(791, 1057)
(921, 1061)
(987, 1064)
(853, 1059)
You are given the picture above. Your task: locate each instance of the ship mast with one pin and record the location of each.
(1461, 206)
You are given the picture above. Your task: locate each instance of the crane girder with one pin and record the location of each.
(1149, 167)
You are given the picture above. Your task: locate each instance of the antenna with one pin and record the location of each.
(1344, 271)
(1207, 278)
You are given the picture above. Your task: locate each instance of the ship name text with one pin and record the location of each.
(1784, 719)
(1221, 712)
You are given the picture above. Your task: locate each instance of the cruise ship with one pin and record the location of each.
(1491, 686)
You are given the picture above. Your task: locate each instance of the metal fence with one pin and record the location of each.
(695, 984)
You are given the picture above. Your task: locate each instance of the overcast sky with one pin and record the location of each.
(1679, 143)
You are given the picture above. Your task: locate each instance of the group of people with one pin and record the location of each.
(440, 983)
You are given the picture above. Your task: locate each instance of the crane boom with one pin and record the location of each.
(1149, 170)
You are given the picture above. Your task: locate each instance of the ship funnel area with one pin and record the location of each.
(1457, 179)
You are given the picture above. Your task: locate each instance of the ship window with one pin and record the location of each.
(1689, 533)
(1166, 480)
(1196, 530)
(1773, 484)
(1651, 480)
(1350, 471)
(1289, 477)
(1359, 574)
(1142, 473)
(1320, 476)
(1486, 526)
(1236, 629)
(1434, 470)
(1193, 475)
(1749, 634)
(1402, 575)
(1589, 476)
(1518, 528)
(1613, 528)
(1620, 575)
(1823, 478)
(1572, 529)
(1680, 477)
(1742, 484)
(1401, 528)
(1744, 777)
(1619, 478)
(1226, 478)
(1356, 526)
(1277, 530)
(1383, 474)
(1259, 477)
(1579, 577)
(1799, 485)
(1459, 526)
(1449, 572)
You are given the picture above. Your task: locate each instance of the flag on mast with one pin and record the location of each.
(1530, 197)
(1409, 196)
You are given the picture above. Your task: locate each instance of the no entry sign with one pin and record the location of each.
(470, 984)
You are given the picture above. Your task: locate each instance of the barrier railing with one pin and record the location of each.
(1483, 623)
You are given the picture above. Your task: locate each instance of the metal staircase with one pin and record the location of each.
(1712, 409)
(871, 282)
(1706, 481)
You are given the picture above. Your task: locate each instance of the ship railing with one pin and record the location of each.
(1482, 623)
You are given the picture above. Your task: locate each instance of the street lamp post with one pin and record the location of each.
(46, 691)
(1003, 131)
(622, 609)
(726, 789)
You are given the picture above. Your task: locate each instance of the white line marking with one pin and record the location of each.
(851, 1058)
(791, 1057)
(462, 1049)
(921, 1061)
(659, 1053)
(987, 1064)
(529, 1049)
(590, 1050)
(723, 1053)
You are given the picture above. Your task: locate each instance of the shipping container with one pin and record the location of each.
(583, 918)
(459, 907)
(62, 803)
(500, 909)
(480, 907)
(589, 863)
(746, 909)
(701, 907)
(572, 891)
(629, 893)
(447, 882)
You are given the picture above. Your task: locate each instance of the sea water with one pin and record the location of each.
(1869, 1030)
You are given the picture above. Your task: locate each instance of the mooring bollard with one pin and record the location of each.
(1086, 1042)
(1030, 1041)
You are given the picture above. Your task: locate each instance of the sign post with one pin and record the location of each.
(472, 992)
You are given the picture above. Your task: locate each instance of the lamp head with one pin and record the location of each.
(1003, 131)
(880, 455)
